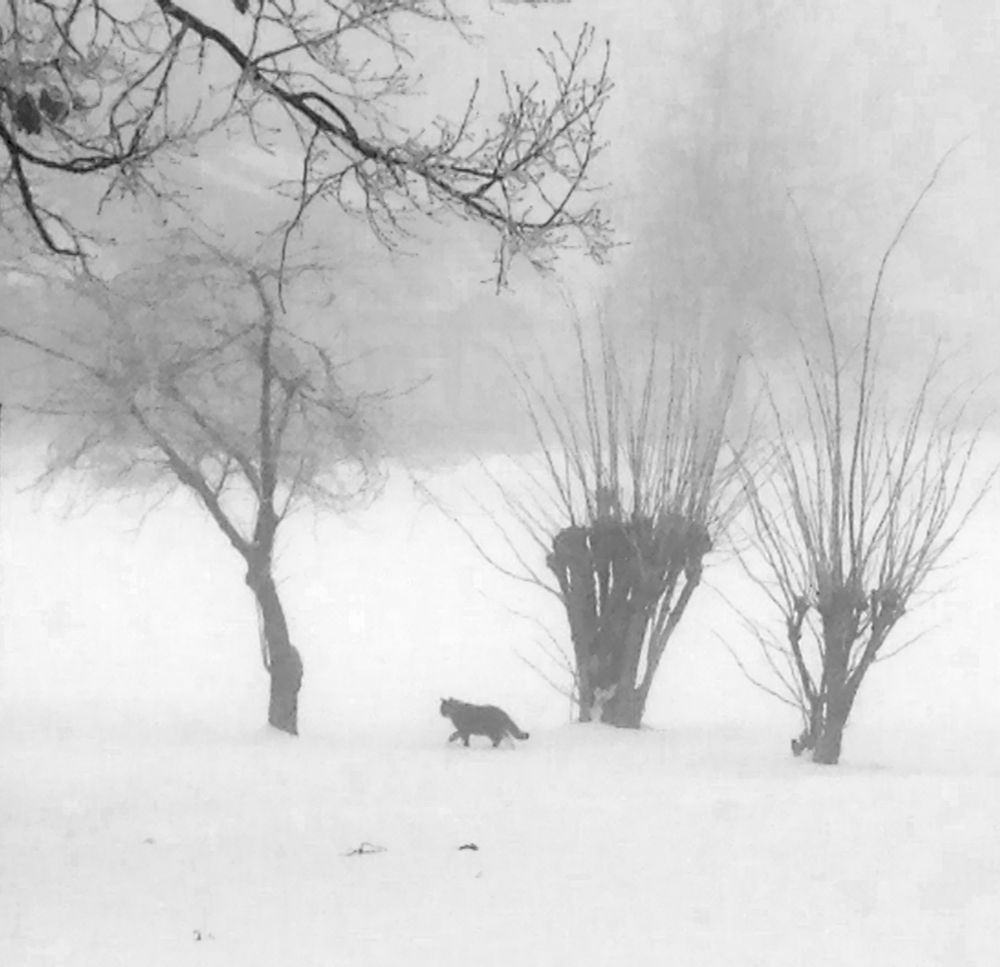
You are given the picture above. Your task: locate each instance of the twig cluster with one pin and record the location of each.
(95, 87)
(195, 378)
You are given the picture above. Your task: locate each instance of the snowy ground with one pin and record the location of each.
(688, 847)
(146, 819)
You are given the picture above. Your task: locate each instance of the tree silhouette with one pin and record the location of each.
(193, 377)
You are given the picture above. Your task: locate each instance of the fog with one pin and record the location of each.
(720, 125)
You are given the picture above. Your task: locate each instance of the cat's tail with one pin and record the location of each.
(515, 731)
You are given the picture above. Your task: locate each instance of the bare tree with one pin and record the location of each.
(862, 496)
(108, 91)
(629, 489)
(193, 378)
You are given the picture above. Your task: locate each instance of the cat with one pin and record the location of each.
(479, 720)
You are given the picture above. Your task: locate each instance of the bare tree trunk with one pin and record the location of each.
(587, 699)
(284, 664)
(625, 708)
(626, 703)
(840, 630)
(286, 681)
(836, 713)
(612, 575)
(572, 564)
(831, 735)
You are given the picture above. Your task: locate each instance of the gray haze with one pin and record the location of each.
(718, 115)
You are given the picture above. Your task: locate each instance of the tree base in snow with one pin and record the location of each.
(612, 706)
(824, 743)
(286, 680)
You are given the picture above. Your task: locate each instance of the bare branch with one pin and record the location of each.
(93, 90)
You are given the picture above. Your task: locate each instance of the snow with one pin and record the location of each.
(686, 847)
(146, 817)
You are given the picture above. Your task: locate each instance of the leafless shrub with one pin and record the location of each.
(862, 496)
(629, 487)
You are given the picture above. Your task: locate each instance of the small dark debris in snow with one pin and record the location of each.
(198, 936)
(364, 849)
(149, 841)
(468, 846)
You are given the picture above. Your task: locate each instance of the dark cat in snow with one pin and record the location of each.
(479, 720)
